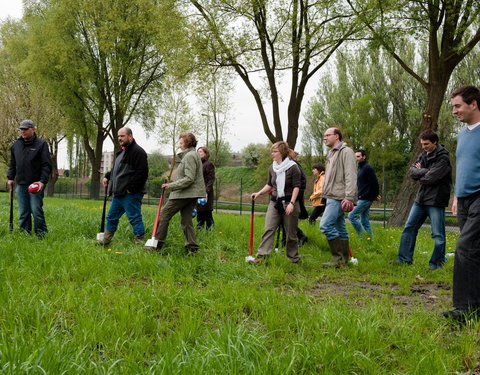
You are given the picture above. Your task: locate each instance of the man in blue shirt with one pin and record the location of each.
(466, 206)
(367, 193)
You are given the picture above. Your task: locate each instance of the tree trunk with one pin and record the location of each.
(53, 144)
(409, 188)
(95, 158)
(53, 176)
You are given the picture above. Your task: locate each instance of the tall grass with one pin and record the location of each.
(69, 306)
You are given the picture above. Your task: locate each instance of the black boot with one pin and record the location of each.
(345, 253)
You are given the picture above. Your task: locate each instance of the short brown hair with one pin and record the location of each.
(189, 139)
(468, 94)
(429, 135)
(205, 151)
(319, 167)
(338, 132)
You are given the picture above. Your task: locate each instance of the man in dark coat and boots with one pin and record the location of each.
(127, 184)
(434, 172)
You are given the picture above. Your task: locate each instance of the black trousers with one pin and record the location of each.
(466, 271)
(205, 218)
(317, 211)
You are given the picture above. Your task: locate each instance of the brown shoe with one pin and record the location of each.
(140, 240)
(107, 238)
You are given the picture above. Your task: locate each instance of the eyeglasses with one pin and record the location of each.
(328, 135)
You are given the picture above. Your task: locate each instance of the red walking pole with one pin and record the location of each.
(153, 242)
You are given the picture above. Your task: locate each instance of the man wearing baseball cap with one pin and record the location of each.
(30, 163)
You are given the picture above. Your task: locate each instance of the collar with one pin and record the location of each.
(473, 126)
(338, 147)
(127, 147)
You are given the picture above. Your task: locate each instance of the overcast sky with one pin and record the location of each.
(245, 127)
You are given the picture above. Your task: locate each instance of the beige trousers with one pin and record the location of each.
(290, 222)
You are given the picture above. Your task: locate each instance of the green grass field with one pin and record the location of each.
(69, 306)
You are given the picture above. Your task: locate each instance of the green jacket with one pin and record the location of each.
(189, 182)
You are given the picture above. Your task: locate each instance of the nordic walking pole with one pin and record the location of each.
(252, 222)
(101, 235)
(353, 260)
(102, 224)
(153, 242)
(278, 239)
(11, 208)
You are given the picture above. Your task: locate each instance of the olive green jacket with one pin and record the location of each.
(189, 182)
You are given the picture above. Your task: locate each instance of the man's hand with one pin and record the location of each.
(11, 184)
(166, 186)
(41, 186)
(418, 165)
(105, 182)
(454, 206)
(346, 205)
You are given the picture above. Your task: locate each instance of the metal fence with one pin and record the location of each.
(234, 197)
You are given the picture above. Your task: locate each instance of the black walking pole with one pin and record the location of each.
(102, 224)
(11, 208)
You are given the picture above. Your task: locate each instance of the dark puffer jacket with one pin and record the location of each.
(133, 172)
(435, 177)
(29, 161)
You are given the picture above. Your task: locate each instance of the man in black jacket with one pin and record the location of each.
(368, 189)
(128, 178)
(434, 172)
(30, 163)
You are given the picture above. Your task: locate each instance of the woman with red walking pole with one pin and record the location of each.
(284, 179)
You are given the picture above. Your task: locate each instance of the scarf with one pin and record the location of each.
(280, 170)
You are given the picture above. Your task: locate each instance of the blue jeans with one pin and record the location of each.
(31, 205)
(415, 220)
(131, 204)
(362, 211)
(332, 224)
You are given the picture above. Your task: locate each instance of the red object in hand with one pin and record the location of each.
(346, 205)
(33, 188)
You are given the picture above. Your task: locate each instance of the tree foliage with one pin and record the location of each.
(253, 152)
(103, 61)
(22, 98)
(449, 28)
(266, 42)
(213, 89)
